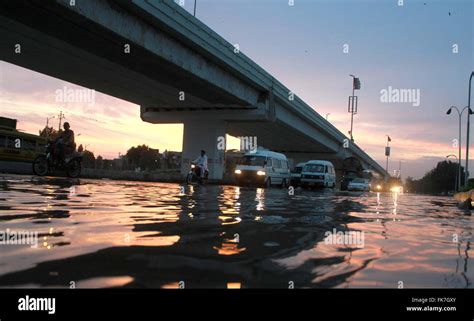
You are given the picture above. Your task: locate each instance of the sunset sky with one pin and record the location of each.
(404, 47)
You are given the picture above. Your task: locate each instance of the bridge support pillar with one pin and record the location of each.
(204, 134)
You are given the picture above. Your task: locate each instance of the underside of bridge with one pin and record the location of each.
(156, 55)
(202, 131)
(61, 43)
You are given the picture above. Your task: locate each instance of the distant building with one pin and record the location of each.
(18, 146)
(171, 160)
(8, 122)
(120, 163)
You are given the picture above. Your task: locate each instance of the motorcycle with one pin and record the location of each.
(194, 175)
(50, 161)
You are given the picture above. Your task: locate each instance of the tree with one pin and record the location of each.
(440, 179)
(409, 184)
(88, 159)
(49, 132)
(143, 157)
(99, 162)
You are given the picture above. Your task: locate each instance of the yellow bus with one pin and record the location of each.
(18, 146)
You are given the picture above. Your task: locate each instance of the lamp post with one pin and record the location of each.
(195, 7)
(387, 151)
(47, 120)
(468, 128)
(456, 177)
(400, 169)
(47, 125)
(352, 103)
(459, 139)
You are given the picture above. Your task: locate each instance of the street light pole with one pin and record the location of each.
(195, 7)
(352, 113)
(47, 125)
(459, 138)
(459, 153)
(468, 129)
(400, 169)
(352, 104)
(47, 120)
(387, 151)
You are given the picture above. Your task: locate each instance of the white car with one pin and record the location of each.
(359, 184)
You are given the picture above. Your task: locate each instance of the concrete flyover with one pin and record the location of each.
(155, 54)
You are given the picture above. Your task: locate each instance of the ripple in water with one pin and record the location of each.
(102, 233)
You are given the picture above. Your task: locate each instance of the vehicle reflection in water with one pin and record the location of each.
(230, 247)
(102, 233)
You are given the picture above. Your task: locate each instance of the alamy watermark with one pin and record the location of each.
(69, 95)
(335, 237)
(395, 95)
(20, 237)
(247, 143)
(37, 304)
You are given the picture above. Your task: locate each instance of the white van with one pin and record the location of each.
(263, 168)
(296, 174)
(318, 173)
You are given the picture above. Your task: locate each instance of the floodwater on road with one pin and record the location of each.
(103, 233)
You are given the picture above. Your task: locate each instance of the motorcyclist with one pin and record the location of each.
(201, 161)
(65, 144)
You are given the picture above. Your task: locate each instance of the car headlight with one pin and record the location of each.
(238, 171)
(192, 166)
(396, 189)
(260, 173)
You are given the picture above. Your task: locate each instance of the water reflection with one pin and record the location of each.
(229, 247)
(103, 233)
(260, 198)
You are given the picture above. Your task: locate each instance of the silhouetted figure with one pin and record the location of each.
(65, 143)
